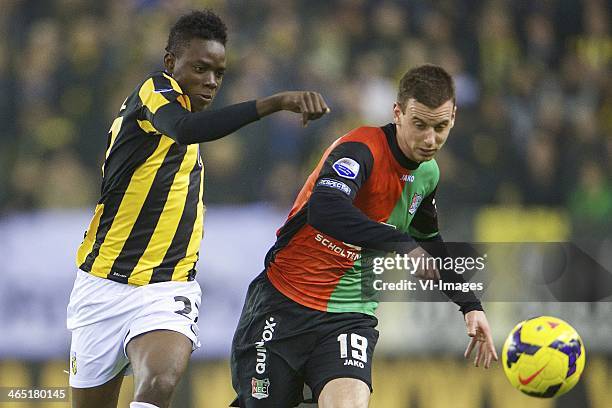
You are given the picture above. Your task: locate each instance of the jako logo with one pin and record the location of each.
(407, 177)
(346, 167)
(262, 353)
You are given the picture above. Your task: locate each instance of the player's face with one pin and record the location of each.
(422, 131)
(199, 70)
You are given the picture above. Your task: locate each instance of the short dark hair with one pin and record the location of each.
(203, 24)
(429, 84)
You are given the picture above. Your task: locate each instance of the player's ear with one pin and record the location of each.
(452, 123)
(169, 60)
(397, 111)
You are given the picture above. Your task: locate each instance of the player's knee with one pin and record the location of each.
(345, 393)
(349, 402)
(156, 389)
(346, 401)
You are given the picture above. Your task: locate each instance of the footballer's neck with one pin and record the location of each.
(399, 151)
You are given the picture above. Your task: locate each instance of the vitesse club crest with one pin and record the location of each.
(259, 388)
(73, 364)
(414, 204)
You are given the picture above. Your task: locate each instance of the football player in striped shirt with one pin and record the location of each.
(134, 306)
(305, 318)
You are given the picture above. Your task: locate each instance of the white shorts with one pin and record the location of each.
(104, 316)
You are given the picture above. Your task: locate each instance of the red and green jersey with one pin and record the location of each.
(364, 193)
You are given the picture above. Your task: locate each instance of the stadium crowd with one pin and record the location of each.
(533, 80)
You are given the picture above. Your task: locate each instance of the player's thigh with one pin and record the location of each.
(102, 396)
(263, 379)
(96, 354)
(163, 334)
(98, 314)
(267, 352)
(345, 393)
(345, 352)
(159, 356)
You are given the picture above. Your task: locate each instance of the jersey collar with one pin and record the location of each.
(401, 158)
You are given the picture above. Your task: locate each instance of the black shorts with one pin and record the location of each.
(280, 345)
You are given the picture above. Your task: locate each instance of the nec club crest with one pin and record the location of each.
(414, 204)
(259, 388)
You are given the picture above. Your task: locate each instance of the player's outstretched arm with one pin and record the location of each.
(478, 329)
(187, 127)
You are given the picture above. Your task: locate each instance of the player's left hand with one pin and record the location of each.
(478, 329)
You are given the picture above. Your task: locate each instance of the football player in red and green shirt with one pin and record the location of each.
(305, 319)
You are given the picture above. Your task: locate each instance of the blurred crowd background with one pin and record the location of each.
(533, 85)
(529, 159)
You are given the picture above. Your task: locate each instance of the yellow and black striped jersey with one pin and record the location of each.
(148, 223)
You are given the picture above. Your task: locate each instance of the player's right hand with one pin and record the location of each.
(310, 104)
(426, 270)
(480, 332)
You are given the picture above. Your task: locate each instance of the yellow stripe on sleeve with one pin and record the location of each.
(147, 126)
(183, 99)
(151, 99)
(114, 131)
